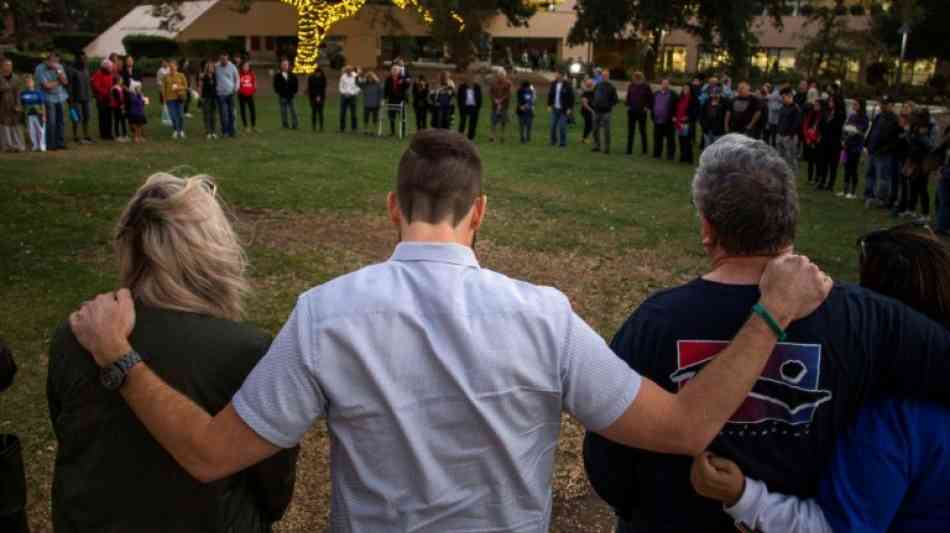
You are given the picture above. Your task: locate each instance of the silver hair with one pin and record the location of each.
(748, 194)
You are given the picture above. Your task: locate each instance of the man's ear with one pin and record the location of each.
(479, 209)
(707, 232)
(395, 214)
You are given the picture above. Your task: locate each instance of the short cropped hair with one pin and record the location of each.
(440, 176)
(747, 193)
(786, 90)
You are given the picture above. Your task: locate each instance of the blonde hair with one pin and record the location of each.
(177, 248)
(371, 76)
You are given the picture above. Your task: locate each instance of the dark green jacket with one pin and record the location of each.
(112, 476)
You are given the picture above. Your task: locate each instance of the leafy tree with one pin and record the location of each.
(832, 40)
(724, 24)
(646, 20)
(729, 25)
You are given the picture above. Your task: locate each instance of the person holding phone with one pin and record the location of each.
(51, 78)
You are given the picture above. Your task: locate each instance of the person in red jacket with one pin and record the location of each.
(101, 83)
(811, 138)
(247, 86)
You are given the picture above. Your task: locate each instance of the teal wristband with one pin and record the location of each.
(773, 324)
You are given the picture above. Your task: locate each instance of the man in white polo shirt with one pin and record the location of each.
(442, 382)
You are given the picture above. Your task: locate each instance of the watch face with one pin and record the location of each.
(111, 377)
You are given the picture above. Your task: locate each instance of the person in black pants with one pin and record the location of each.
(316, 95)
(394, 93)
(664, 106)
(470, 105)
(831, 129)
(639, 100)
(587, 112)
(12, 473)
(420, 102)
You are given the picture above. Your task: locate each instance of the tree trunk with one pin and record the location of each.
(652, 55)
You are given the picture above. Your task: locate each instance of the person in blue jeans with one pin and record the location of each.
(891, 471)
(227, 81)
(525, 111)
(561, 106)
(51, 78)
(881, 143)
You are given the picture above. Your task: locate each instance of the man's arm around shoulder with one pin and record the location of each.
(209, 448)
(686, 422)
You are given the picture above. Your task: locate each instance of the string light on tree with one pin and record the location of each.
(315, 17)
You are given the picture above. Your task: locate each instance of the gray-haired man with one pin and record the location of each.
(855, 346)
(442, 382)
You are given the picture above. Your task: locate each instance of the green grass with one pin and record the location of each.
(561, 205)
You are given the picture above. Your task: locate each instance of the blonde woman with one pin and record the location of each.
(180, 257)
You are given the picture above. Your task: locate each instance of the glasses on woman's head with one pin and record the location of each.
(867, 243)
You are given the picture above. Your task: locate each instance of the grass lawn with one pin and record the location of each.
(607, 230)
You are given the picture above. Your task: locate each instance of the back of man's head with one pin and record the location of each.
(747, 193)
(440, 176)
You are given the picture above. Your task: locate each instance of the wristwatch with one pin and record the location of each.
(113, 376)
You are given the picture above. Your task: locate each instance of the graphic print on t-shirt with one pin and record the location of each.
(787, 391)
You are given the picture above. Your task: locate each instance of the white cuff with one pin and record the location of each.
(746, 509)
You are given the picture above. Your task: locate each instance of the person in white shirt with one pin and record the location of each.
(349, 89)
(163, 71)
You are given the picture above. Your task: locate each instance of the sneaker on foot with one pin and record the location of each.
(840, 194)
(181, 135)
(174, 136)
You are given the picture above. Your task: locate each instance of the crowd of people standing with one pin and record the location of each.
(810, 124)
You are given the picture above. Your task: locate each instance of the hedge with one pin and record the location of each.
(139, 45)
(205, 48)
(22, 62)
(72, 42)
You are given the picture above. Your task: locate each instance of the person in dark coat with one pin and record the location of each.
(420, 102)
(561, 106)
(395, 93)
(12, 473)
(285, 86)
(831, 130)
(316, 95)
(639, 101)
(191, 305)
(470, 105)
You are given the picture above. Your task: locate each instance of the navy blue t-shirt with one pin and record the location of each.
(856, 346)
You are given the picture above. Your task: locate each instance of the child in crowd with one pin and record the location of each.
(136, 111)
(117, 104)
(32, 102)
(372, 98)
(525, 111)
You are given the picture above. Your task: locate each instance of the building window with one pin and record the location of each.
(672, 59)
(767, 59)
(269, 42)
(711, 59)
(255, 43)
(917, 72)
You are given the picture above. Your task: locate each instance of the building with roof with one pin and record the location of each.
(378, 32)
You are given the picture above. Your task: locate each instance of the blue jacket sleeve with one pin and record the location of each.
(870, 472)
